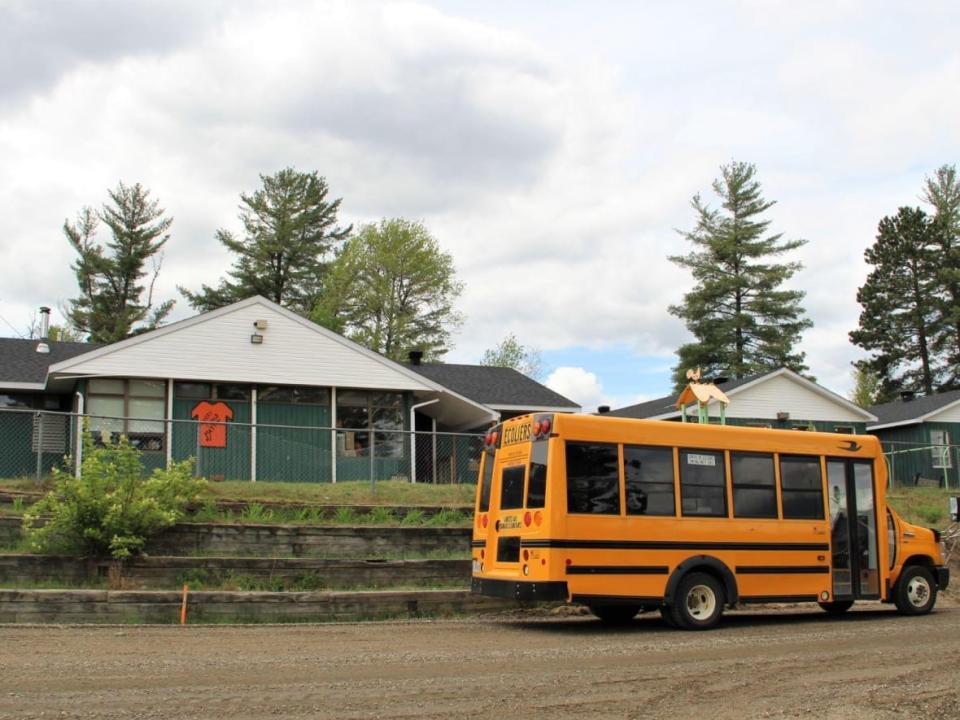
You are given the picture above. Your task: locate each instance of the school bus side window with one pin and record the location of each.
(703, 483)
(801, 487)
(511, 488)
(754, 491)
(593, 478)
(648, 474)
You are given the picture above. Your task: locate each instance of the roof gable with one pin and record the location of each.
(764, 396)
(942, 407)
(217, 346)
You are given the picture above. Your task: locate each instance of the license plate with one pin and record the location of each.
(476, 566)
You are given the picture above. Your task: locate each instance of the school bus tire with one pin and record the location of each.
(836, 607)
(615, 614)
(916, 591)
(698, 603)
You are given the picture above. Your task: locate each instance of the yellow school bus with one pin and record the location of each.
(626, 515)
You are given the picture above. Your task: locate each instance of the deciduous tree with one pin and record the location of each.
(392, 289)
(510, 353)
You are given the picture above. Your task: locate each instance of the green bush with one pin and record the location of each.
(112, 509)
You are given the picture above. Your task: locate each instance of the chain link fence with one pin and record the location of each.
(33, 442)
(922, 465)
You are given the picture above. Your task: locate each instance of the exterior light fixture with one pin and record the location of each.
(256, 339)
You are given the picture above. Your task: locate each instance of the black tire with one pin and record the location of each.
(916, 591)
(698, 603)
(615, 614)
(667, 614)
(836, 607)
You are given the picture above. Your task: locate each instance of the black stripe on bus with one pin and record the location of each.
(777, 598)
(658, 545)
(617, 570)
(783, 570)
(617, 600)
(478, 543)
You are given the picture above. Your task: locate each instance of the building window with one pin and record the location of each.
(593, 478)
(702, 483)
(135, 408)
(940, 452)
(648, 475)
(361, 415)
(754, 485)
(293, 395)
(846, 429)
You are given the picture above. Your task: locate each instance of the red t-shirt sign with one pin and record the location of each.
(212, 435)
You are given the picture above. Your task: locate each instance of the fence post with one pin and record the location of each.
(39, 418)
(372, 444)
(78, 439)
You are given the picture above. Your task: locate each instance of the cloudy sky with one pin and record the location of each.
(552, 147)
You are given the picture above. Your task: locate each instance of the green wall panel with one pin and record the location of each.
(293, 443)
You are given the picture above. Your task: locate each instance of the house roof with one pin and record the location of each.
(497, 387)
(23, 368)
(909, 412)
(664, 408)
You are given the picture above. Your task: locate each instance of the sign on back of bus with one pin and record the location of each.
(705, 460)
(955, 508)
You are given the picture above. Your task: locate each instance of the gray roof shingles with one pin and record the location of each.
(494, 386)
(901, 411)
(21, 363)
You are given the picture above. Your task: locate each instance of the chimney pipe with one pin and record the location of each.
(42, 346)
(44, 322)
(603, 410)
(415, 356)
(907, 395)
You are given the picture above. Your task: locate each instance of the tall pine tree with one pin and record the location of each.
(942, 191)
(743, 320)
(290, 233)
(902, 312)
(113, 301)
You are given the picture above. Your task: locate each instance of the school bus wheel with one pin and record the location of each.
(836, 607)
(916, 591)
(698, 603)
(615, 614)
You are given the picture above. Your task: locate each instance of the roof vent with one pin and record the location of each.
(720, 380)
(415, 356)
(42, 346)
(907, 395)
(603, 410)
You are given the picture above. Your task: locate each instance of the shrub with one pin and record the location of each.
(112, 509)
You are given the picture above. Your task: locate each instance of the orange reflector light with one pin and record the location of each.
(537, 518)
(493, 438)
(536, 428)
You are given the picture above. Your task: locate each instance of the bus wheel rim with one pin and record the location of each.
(701, 601)
(918, 591)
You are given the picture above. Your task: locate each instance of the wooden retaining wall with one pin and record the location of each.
(107, 606)
(169, 573)
(336, 541)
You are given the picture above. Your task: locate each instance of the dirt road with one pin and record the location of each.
(870, 664)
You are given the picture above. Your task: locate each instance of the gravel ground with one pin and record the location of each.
(795, 663)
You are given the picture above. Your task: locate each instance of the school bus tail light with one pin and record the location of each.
(538, 518)
(527, 518)
(484, 521)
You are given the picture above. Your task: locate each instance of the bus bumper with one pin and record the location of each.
(520, 590)
(943, 577)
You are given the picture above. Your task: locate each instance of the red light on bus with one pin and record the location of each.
(527, 518)
(545, 426)
(482, 553)
(484, 520)
(537, 518)
(569, 562)
(526, 555)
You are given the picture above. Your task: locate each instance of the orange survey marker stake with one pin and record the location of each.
(183, 605)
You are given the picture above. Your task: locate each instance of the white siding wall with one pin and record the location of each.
(219, 349)
(781, 394)
(951, 414)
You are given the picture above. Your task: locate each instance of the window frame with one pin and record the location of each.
(617, 449)
(672, 452)
(813, 459)
(725, 513)
(772, 487)
(145, 440)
